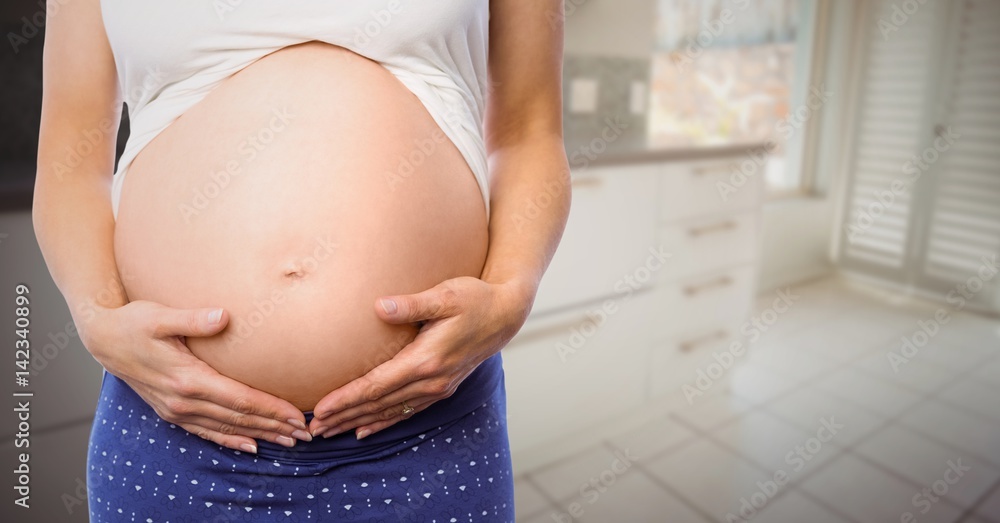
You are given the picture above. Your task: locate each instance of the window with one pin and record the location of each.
(729, 72)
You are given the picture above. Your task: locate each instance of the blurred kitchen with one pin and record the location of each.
(776, 299)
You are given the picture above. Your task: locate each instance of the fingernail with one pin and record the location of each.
(363, 432)
(332, 433)
(246, 447)
(286, 441)
(297, 424)
(389, 306)
(319, 431)
(302, 435)
(215, 316)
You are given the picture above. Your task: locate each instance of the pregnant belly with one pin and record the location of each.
(296, 193)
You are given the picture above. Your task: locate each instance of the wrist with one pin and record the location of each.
(517, 297)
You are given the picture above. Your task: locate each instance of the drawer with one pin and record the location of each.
(576, 369)
(689, 190)
(675, 362)
(709, 244)
(705, 302)
(609, 234)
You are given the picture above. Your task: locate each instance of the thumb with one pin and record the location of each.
(409, 308)
(190, 322)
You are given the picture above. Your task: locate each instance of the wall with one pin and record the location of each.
(622, 28)
(799, 231)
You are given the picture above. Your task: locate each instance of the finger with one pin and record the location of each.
(436, 302)
(243, 399)
(189, 322)
(248, 424)
(230, 441)
(380, 381)
(392, 400)
(381, 420)
(226, 429)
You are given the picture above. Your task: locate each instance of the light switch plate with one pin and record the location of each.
(583, 95)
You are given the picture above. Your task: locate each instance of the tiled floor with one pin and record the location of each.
(813, 426)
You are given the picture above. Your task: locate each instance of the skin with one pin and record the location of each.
(466, 319)
(469, 319)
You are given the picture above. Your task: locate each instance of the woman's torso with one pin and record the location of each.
(293, 194)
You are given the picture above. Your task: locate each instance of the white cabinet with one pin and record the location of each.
(573, 368)
(611, 228)
(567, 371)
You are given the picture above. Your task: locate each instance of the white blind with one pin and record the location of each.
(965, 219)
(894, 94)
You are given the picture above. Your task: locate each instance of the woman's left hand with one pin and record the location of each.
(466, 320)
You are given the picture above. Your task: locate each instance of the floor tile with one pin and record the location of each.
(974, 395)
(868, 494)
(918, 375)
(527, 498)
(757, 384)
(794, 365)
(543, 517)
(776, 445)
(806, 407)
(977, 435)
(955, 354)
(712, 412)
(631, 497)
(564, 478)
(711, 477)
(989, 372)
(990, 509)
(794, 507)
(926, 463)
(660, 434)
(868, 392)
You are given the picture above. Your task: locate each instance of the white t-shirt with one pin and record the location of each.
(171, 53)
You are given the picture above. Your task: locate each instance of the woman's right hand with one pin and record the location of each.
(142, 343)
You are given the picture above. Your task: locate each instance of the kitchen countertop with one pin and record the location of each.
(677, 154)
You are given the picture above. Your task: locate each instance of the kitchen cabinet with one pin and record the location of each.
(575, 366)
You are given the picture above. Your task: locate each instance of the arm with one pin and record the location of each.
(139, 342)
(469, 319)
(530, 191)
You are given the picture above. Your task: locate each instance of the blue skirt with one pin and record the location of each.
(447, 463)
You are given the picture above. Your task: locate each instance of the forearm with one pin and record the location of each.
(530, 200)
(75, 231)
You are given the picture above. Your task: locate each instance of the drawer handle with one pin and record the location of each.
(690, 345)
(725, 168)
(718, 227)
(692, 290)
(590, 181)
(559, 328)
